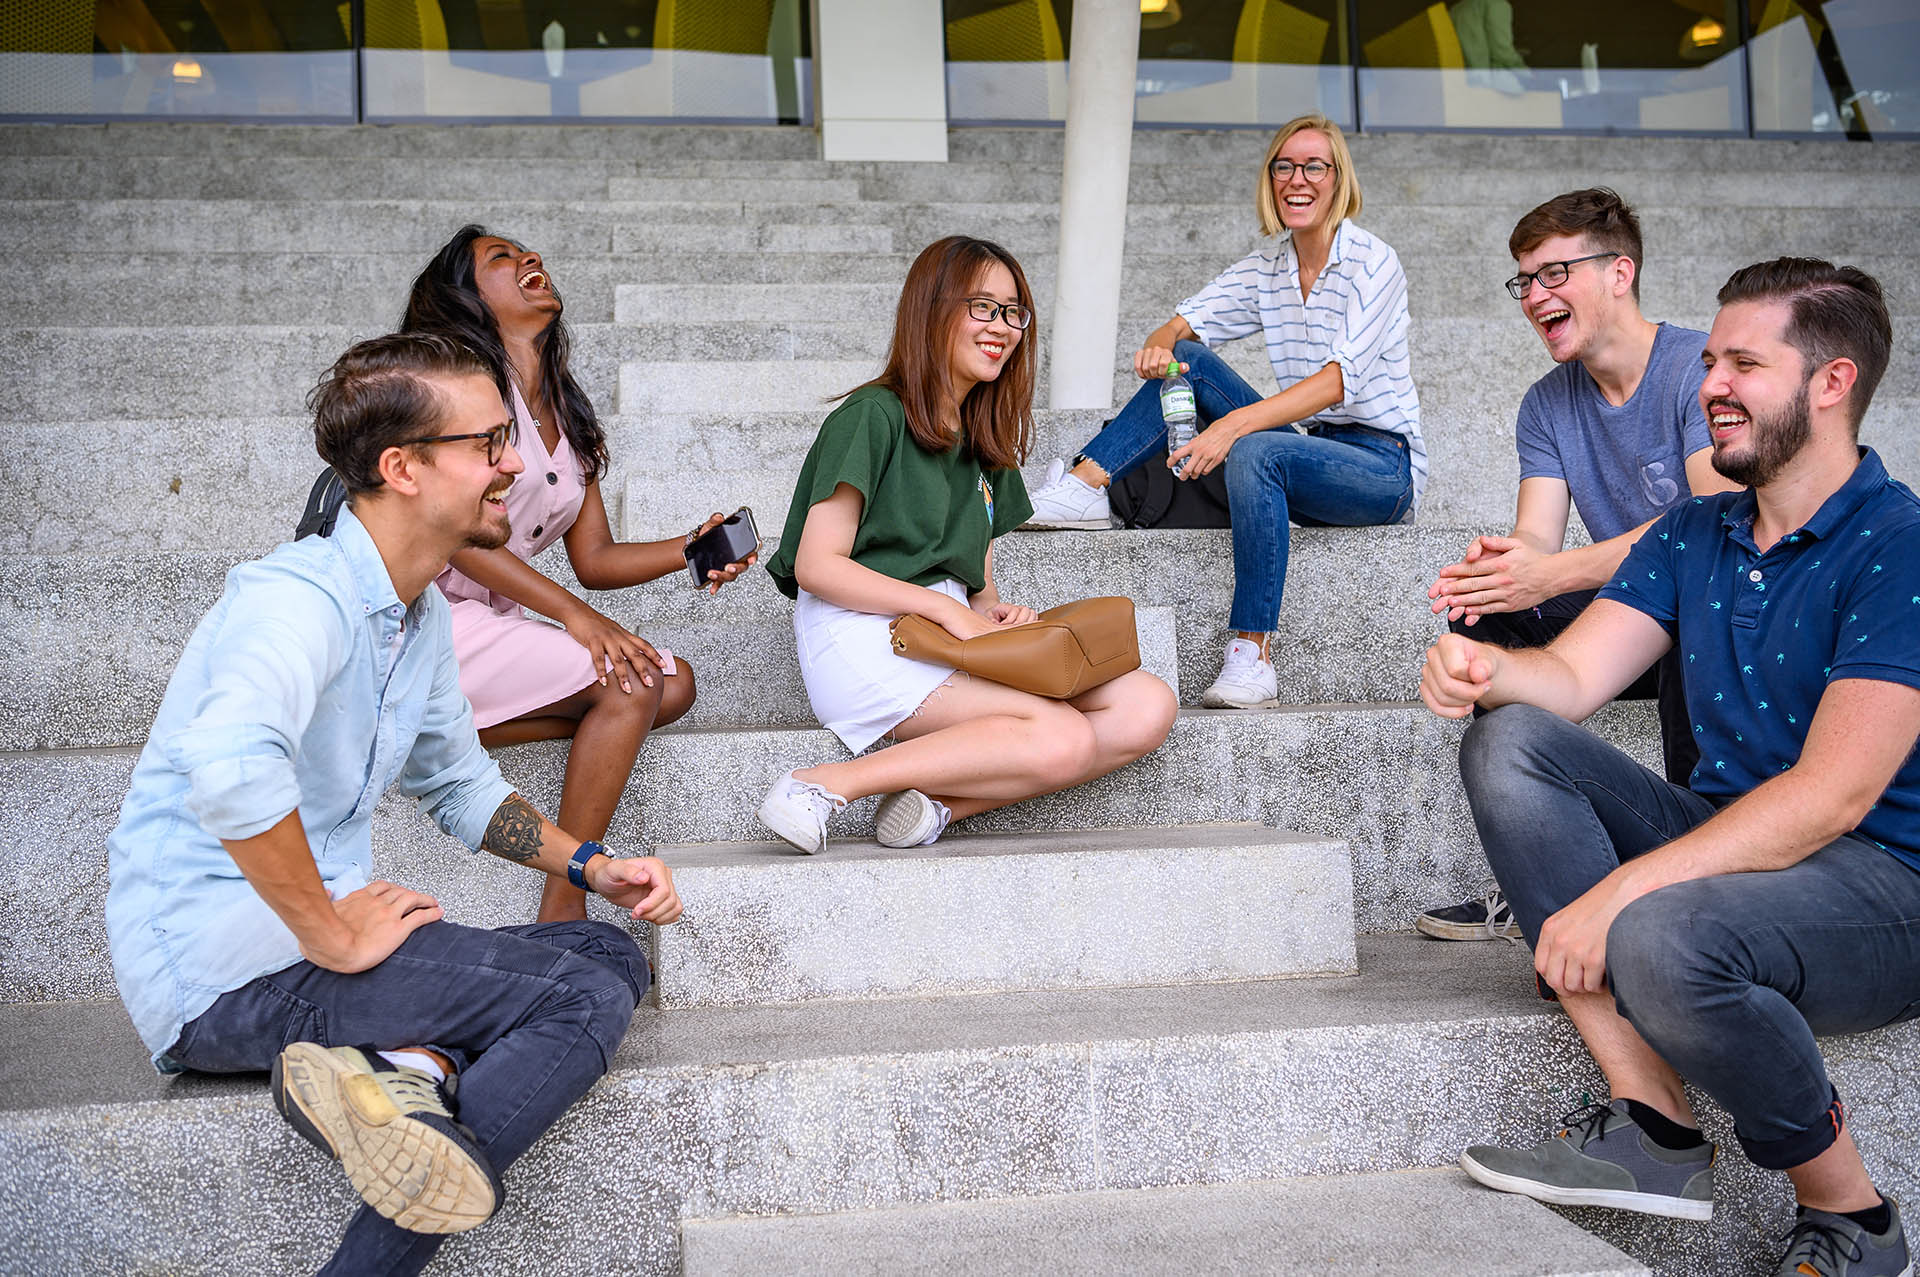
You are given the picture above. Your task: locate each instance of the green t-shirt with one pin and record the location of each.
(927, 517)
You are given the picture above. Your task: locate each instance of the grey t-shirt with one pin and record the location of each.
(1622, 465)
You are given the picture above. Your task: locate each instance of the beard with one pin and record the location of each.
(491, 536)
(1773, 440)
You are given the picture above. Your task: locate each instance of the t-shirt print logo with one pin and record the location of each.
(1662, 490)
(986, 494)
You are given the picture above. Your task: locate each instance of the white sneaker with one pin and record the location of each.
(1245, 682)
(910, 819)
(1063, 501)
(798, 811)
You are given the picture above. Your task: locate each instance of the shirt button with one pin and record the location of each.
(538, 529)
(552, 477)
(1754, 575)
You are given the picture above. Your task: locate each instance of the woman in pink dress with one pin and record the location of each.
(585, 677)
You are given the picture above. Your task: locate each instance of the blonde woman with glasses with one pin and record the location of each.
(1338, 445)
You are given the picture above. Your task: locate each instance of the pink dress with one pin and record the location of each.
(512, 663)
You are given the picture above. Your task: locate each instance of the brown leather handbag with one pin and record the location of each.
(1070, 649)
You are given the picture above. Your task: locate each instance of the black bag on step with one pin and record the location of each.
(1150, 497)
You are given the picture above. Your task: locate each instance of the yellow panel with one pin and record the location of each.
(1274, 31)
(405, 24)
(713, 26)
(1024, 32)
(52, 26)
(1426, 39)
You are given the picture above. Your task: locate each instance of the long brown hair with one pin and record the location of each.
(996, 416)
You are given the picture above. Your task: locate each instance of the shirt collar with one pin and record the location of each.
(1867, 478)
(1341, 241)
(364, 562)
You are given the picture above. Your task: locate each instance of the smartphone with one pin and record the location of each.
(724, 543)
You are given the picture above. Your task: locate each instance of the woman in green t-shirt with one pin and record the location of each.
(896, 510)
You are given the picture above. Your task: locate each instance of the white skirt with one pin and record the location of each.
(859, 687)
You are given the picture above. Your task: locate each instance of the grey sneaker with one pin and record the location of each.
(1602, 1158)
(909, 819)
(1826, 1245)
(1488, 918)
(390, 1130)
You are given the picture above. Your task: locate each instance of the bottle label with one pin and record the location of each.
(1176, 401)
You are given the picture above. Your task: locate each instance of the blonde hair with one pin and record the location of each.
(1346, 186)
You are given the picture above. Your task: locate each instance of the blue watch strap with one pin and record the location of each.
(577, 866)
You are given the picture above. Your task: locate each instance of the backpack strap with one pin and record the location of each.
(323, 506)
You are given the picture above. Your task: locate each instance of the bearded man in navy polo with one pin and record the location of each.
(1710, 933)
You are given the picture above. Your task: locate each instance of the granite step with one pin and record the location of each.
(65, 289)
(1382, 1224)
(834, 1107)
(1382, 779)
(1354, 625)
(1184, 904)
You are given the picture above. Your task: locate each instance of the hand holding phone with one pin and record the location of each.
(733, 540)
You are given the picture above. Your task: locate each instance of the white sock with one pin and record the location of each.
(418, 1060)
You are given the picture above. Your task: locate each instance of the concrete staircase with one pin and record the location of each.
(1171, 1018)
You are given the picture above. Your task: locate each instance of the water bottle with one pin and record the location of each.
(1176, 409)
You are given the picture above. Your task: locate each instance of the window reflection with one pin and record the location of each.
(1201, 61)
(1842, 67)
(275, 59)
(1631, 66)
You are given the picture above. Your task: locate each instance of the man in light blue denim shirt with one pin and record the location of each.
(248, 931)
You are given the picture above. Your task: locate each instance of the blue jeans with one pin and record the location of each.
(529, 1015)
(1338, 476)
(1727, 978)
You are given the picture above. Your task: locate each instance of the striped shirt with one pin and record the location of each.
(1356, 317)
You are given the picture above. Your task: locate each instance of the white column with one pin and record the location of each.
(1103, 54)
(881, 70)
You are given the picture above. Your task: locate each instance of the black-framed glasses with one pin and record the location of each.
(1550, 274)
(497, 440)
(1312, 170)
(986, 310)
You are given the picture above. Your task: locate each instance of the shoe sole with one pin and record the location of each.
(775, 817)
(1618, 1199)
(1212, 700)
(1067, 525)
(1441, 929)
(900, 822)
(420, 1178)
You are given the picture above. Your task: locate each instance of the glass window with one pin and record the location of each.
(742, 61)
(1630, 66)
(1835, 66)
(1201, 61)
(263, 59)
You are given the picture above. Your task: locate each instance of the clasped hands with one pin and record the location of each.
(1497, 574)
(965, 622)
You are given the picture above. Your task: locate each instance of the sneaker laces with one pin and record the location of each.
(821, 801)
(413, 1091)
(1585, 1125)
(1242, 663)
(1816, 1245)
(1495, 902)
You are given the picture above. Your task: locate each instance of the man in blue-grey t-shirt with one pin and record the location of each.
(1616, 429)
(1705, 934)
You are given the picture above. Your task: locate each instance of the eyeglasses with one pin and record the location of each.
(497, 440)
(1313, 170)
(1550, 275)
(986, 310)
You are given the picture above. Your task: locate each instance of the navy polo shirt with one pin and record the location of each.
(1761, 635)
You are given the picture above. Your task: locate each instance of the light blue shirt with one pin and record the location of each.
(1355, 316)
(309, 686)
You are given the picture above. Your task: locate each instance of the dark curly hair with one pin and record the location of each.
(446, 300)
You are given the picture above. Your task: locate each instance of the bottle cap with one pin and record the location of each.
(1173, 367)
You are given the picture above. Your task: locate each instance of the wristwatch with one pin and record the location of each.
(577, 866)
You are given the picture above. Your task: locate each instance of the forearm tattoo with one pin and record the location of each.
(514, 831)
